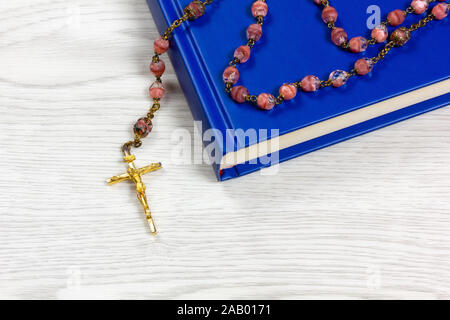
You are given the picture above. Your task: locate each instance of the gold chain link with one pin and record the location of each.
(174, 25)
(155, 107)
(383, 52)
(422, 23)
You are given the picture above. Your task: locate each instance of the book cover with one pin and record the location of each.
(413, 79)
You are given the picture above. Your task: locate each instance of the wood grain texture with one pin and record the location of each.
(368, 218)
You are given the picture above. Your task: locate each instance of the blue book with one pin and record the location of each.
(413, 79)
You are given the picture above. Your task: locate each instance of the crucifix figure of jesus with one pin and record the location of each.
(135, 175)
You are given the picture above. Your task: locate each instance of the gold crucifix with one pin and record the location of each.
(135, 175)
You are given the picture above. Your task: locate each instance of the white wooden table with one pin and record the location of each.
(368, 218)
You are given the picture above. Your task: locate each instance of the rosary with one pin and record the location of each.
(287, 91)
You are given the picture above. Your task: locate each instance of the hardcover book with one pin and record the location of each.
(411, 80)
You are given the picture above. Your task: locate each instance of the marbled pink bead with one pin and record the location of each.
(195, 9)
(265, 101)
(254, 31)
(242, 53)
(396, 17)
(288, 91)
(339, 36)
(158, 68)
(238, 93)
(318, 2)
(259, 9)
(338, 78)
(161, 45)
(231, 75)
(358, 44)
(440, 11)
(329, 14)
(400, 36)
(363, 66)
(380, 33)
(310, 83)
(143, 127)
(419, 6)
(157, 90)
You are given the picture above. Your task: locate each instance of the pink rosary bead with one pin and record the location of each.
(363, 66)
(338, 36)
(310, 83)
(318, 2)
(440, 11)
(419, 6)
(157, 90)
(288, 91)
(338, 78)
(242, 53)
(396, 17)
(143, 127)
(329, 14)
(158, 68)
(380, 33)
(239, 93)
(231, 75)
(254, 31)
(400, 36)
(259, 9)
(195, 9)
(161, 45)
(265, 101)
(358, 44)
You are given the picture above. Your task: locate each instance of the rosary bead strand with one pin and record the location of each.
(231, 75)
(378, 35)
(287, 91)
(337, 78)
(144, 126)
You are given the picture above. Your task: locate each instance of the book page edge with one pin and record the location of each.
(334, 124)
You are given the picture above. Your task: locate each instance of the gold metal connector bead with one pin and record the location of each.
(129, 158)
